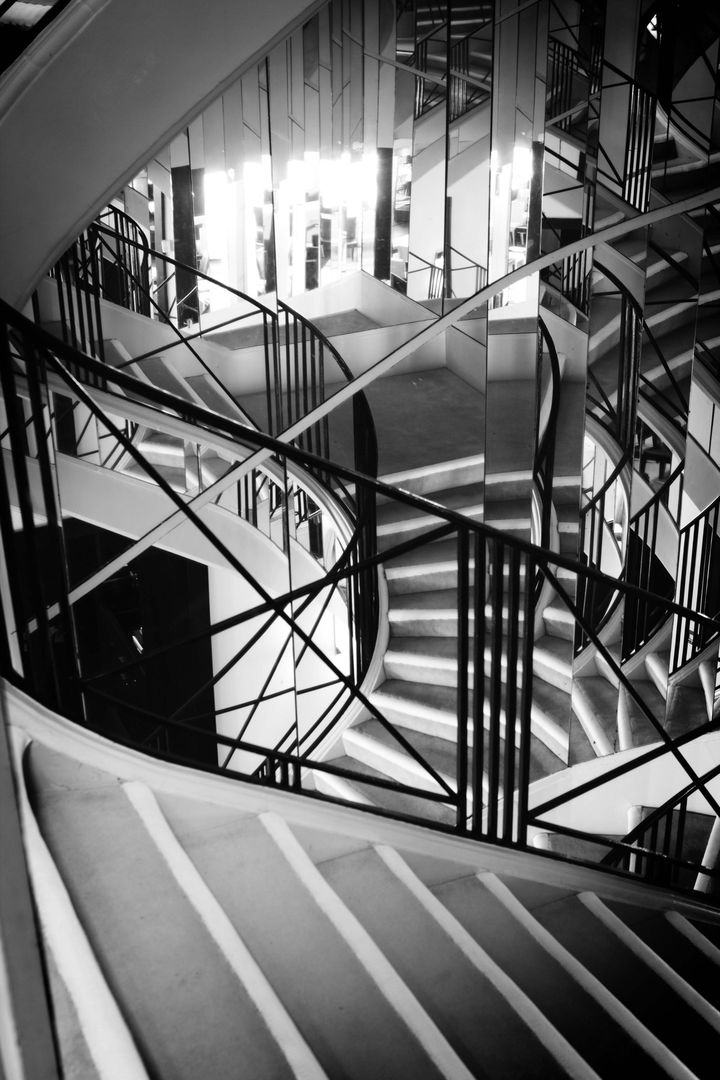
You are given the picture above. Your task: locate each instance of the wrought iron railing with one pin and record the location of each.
(489, 794)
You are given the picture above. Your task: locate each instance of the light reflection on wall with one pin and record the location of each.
(325, 219)
(509, 222)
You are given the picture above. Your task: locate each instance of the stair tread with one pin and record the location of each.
(450, 987)
(654, 1003)
(604, 1044)
(267, 911)
(95, 835)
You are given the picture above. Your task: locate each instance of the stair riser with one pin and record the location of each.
(557, 625)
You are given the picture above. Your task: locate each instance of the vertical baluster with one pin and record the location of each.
(463, 657)
(677, 853)
(523, 780)
(478, 756)
(513, 631)
(496, 648)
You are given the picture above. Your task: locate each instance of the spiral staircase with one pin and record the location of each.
(401, 878)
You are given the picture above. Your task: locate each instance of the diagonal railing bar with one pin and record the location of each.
(260, 697)
(670, 743)
(666, 367)
(189, 513)
(186, 338)
(653, 395)
(263, 696)
(677, 266)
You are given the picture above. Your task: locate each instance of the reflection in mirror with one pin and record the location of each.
(693, 652)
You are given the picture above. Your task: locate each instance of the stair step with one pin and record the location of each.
(634, 727)
(452, 977)
(594, 702)
(432, 710)
(436, 612)
(656, 665)
(552, 661)
(399, 515)
(95, 835)
(532, 958)
(372, 744)
(267, 911)
(662, 936)
(440, 477)
(574, 847)
(606, 948)
(559, 621)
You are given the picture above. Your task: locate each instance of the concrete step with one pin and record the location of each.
(452, 977)
(610, 950)
(595, 703)
(559, 621)
(432, 710)
(548, 973)
(147, 935)
(420, 614)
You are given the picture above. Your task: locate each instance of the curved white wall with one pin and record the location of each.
(94, 97)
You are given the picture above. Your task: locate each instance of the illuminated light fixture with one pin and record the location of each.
(522, 166)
